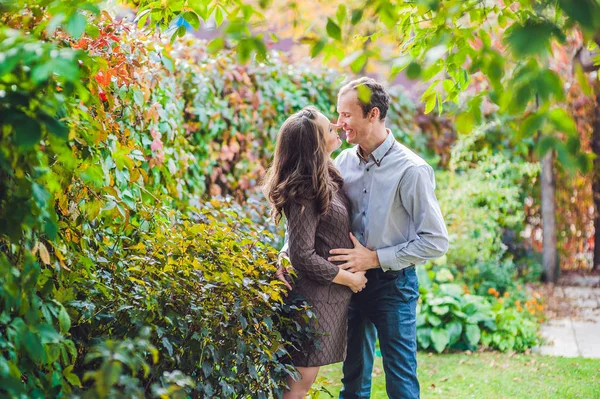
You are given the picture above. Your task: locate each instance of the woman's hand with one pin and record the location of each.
(282, 269)
(357, 282)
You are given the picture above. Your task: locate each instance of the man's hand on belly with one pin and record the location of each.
(359, 258)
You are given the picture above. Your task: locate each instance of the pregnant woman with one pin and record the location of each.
(304, 185)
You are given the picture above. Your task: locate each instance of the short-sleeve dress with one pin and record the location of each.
(311, 237)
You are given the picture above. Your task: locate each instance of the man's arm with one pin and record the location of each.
(417, 192)
(283, 254)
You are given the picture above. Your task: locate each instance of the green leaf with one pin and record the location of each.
(9, 62)
(531, 38)
(356, 16)
(192, 18)
(219, 16)
(413, 71)
(473, 334)
(563, 121)
(64, 321)
(532, 123)
(333, 30)
(545, 144)
(454, 329)
(424, 337)
(215, 45)
(76, 25)
(465, 123)
(573, 145)
(440, 339)
(317, 48)
(430, 103)
(454, 290)
(27, 131)
(167, 344)
(358, 64)
(584, 163)
(34, 346)
(364, 93)
(73, 379)
(434, 320)
(340, 15)
(440, 310)
(584, 12)
(54, 126)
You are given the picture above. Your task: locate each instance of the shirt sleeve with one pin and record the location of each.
(417, 193)
(302, 229)
(286, 245)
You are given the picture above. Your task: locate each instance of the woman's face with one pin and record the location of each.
(332, 139)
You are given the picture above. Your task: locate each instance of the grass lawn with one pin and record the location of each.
(490, 375)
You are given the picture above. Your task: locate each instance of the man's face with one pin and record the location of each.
(351, 118)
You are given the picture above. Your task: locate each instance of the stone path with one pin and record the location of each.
(573, 328)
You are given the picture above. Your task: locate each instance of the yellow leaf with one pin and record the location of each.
(138, 247)
(137, 280)
(44, 255)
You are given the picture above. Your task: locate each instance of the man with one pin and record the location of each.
(396, 224)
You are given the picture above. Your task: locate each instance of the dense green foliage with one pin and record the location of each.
(122, 277)
(114, 283)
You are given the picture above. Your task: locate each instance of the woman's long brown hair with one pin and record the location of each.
(301, 170)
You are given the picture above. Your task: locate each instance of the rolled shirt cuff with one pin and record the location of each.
(388, 259)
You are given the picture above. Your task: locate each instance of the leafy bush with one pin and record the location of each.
(450, 318)
(482, 197)
(204, 286)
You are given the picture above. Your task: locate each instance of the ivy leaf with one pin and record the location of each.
(333, 30)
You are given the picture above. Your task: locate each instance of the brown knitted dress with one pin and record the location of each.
(310, 239)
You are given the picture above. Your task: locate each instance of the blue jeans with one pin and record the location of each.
(387, 308)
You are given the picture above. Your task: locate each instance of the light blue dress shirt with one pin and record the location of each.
(394, 207)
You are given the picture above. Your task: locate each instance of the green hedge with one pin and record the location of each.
(113, 283)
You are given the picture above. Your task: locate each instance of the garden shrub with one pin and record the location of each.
(482, 198)
(204, 285)
(448, 317)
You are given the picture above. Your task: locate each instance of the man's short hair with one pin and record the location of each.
(379, 97)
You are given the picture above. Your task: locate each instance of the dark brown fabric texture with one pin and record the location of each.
(310, 239)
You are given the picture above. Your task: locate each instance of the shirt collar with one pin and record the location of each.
(380, 152)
